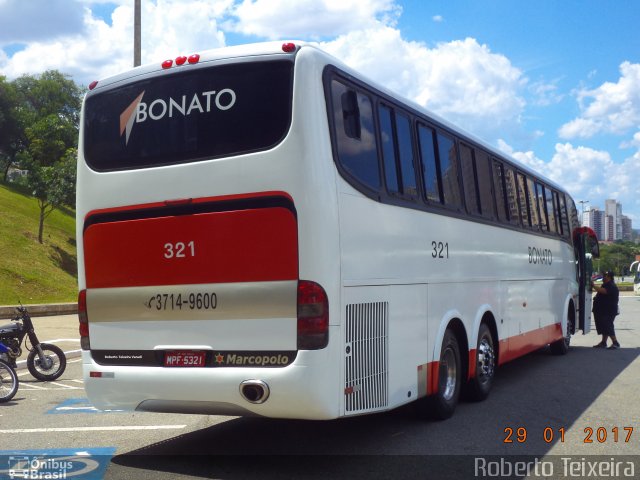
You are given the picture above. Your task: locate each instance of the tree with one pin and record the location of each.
(50, 106)
(53, 185)
(11, 129)
(617, 257)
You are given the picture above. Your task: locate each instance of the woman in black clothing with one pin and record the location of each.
(605, 309)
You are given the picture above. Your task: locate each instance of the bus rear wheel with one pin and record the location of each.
(561, 347)
(480, 385)
(443, 403)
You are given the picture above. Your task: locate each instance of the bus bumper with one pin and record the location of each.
(301, 390)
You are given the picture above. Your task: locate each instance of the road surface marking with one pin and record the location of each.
(94, 429)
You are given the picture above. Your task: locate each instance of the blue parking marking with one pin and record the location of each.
(82, 463)
(77, 405)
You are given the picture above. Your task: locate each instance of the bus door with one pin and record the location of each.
(586, 248)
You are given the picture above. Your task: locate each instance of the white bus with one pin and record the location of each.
(636, 276)
(263, 231)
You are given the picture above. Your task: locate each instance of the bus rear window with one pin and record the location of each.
(189, 116)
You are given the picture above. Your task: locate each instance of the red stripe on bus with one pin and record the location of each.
(216, 247)
(472, 364)
(433, 369)
(520, 345)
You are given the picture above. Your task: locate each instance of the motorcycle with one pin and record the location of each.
(45, 361)
(8, 378)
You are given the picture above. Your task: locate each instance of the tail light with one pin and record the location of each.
(84, 320)
(288, 47)
(181, 60)
(313, 316)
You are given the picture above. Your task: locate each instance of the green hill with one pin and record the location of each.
(30, 272)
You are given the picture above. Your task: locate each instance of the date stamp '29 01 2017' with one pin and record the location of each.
(600, 435)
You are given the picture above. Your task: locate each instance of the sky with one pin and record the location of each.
(553, 83)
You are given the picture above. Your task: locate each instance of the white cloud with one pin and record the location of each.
(588, 174)
(635, 142)
(24, 21)
(174, 27)
(462, 81)
(545, 94)
(585, 172)
(311, 19)
(100, 49)
(526, 158)
(438, 18)
(610, 108)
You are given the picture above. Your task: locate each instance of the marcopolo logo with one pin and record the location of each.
(258, 359)
(204, 102)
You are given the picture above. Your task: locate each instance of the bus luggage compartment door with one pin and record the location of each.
(202, 273)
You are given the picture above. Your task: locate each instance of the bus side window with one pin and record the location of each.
(500, 191)
(397, 152)
(448, 160)
(469, 180)
(562, 228)
(523, 200)
(540, 206)
(534, 204)
(569, 214)
(356, 146)
(551, 209)
(512, 195)
(405, 150)
(388, 150)
(429, 164)
(483, 171)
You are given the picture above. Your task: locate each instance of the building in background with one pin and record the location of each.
(594, 219)
(627, 230)
(609, 225)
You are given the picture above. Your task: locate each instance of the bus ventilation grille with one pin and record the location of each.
(367, 352)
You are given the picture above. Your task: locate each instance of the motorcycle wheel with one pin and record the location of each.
(8, 382)
(51, 367)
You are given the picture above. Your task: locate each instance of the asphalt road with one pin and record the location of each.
(581, 409)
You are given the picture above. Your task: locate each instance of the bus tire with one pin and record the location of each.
(561, 347)
(443, 403)
(480, 385)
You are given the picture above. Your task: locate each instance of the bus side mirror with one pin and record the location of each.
(351, 114)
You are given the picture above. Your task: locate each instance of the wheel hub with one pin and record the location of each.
(486, 359)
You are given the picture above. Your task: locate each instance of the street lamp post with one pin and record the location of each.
(136, 34)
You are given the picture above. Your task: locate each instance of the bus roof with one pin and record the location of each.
(291, 48)
(172, 64)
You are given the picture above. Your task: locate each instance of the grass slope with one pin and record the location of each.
(30, 272)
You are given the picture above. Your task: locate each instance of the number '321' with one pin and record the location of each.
(180, 250)
(440, 249)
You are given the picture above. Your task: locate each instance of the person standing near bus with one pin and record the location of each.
(605, 309)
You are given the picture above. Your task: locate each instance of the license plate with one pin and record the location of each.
(184, 359)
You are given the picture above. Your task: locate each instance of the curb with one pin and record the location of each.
(46, 310)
